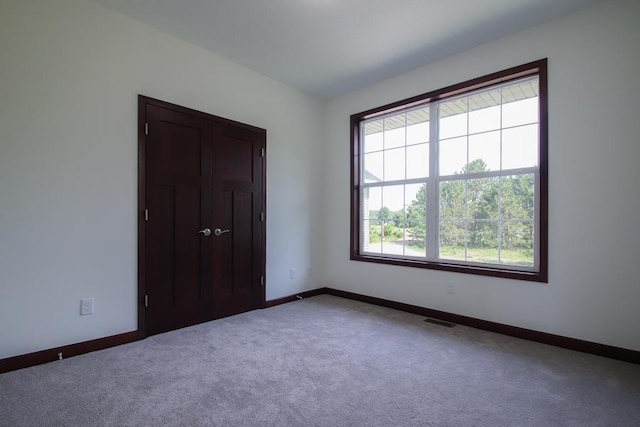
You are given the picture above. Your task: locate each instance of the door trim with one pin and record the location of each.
(143, 101)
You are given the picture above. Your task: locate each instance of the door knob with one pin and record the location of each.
(206, 232)
(218, 232)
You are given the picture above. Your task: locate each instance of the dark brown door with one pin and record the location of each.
(201, 236)
(179, 201)
(237, 202)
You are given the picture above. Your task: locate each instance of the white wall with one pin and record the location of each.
(70, 73)
(594, 150)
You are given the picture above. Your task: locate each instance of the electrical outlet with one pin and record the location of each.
(86, 306)
(451, 288)
(292, 273)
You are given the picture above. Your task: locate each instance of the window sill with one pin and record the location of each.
(505, 273)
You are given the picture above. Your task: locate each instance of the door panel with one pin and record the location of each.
(178, 188)
(237, 207)
(198, 171)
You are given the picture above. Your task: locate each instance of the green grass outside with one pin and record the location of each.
(517, 256)
(514, 256)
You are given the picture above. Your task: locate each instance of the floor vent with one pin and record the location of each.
(439, 322)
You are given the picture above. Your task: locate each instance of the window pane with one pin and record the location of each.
(393, 198)
(371, 202)
(392, 218)
(517, 243)
(452, 240)
(371, 235)
(366, 229)
(418, 133)
(394, 167)
(418, 125)
(394, 131)
(418, 161)
(372, 132)
(453, 156)
(412, 247)
(373, 169)
(482, 198)
(484, 111)
(393, 239)
(517, 196)
(452, 200)
(482, 241)
(373, 142)
(486, 147)
(415, 244)
(416, 208)
(520, 103)
(415, 194)
(520, 147)
(453, 118)
(386, 215)
(520, 112)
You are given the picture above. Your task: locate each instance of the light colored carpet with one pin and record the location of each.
(325, 361)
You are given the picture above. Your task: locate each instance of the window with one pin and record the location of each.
(456, 179)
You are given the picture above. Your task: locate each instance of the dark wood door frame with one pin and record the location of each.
(143, 101)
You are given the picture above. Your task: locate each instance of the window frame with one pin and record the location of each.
(536, 68)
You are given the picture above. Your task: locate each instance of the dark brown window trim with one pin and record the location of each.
(538, 68)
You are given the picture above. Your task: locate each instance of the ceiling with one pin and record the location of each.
(330, 47)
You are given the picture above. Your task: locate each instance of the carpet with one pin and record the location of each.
(325, 361)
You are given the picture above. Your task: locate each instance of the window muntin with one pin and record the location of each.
(455, 182)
